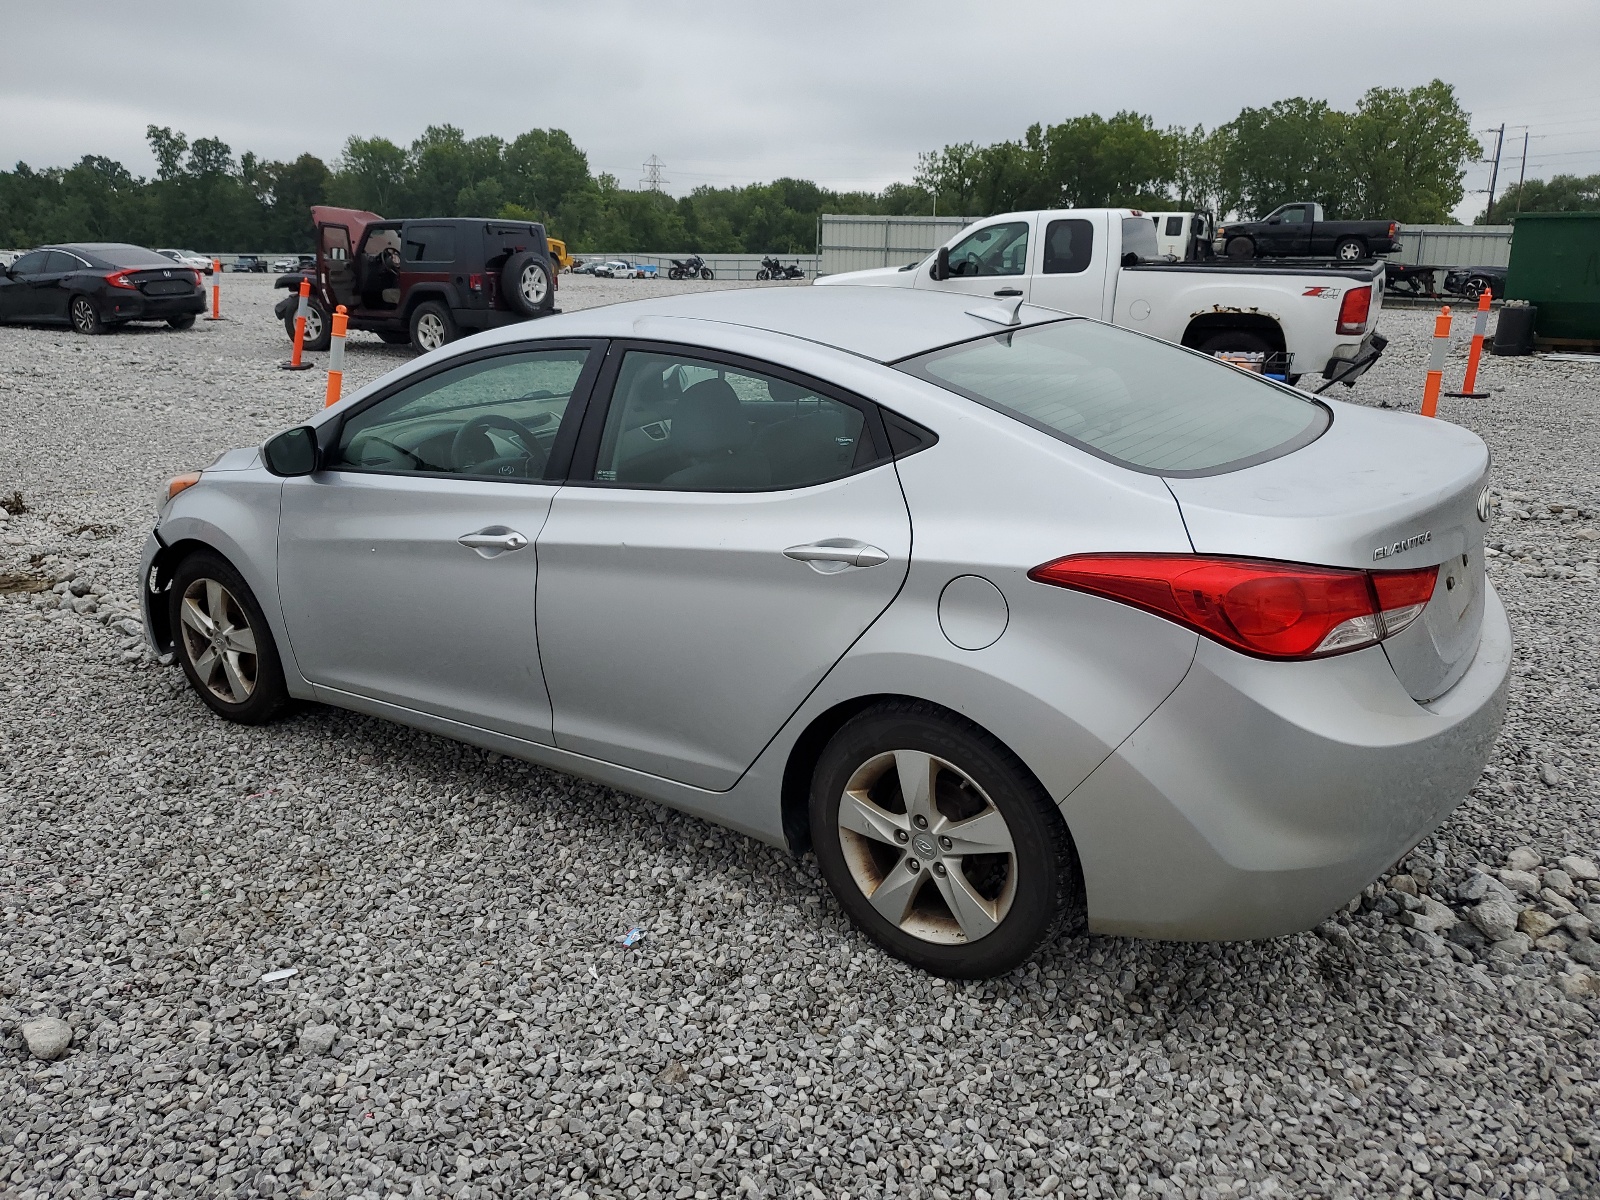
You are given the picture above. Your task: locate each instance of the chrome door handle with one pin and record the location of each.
(494, 540)
(843, 551)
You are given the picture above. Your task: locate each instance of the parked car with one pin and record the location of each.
(1300, 230)
(1176, 647)
(1184, 236)
(188, 258)
(617, 269)
(94, 285)
(589, 267)
(1105, 263)
(289, 263)
(422, 281)
(1410, 278)
(249, 263)
(1471, 282)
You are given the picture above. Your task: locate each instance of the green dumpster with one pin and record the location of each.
(1555, 265)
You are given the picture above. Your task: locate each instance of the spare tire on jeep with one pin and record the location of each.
(525, 283)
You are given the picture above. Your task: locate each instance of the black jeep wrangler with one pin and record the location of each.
(424, 281)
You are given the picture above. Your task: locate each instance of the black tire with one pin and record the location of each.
(1476, 285)
(1032, 889)
(85, 317)
(705, 273)
(525, 284)
(1350, 249)
(675, 273)
(763, 275)
(215, 588)
(181, 323)
(1240, 248)
(431, 326)
(319, 332)
(395, 337)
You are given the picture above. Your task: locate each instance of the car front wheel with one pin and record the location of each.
(224, 643)
(85, 316)
(938, 842)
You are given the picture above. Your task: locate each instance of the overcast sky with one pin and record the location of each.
(843, 93)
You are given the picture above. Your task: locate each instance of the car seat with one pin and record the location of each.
(709, 427)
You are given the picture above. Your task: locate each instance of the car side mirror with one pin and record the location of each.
(1274, 220)
(941, 264)
(1131, 259)
(292, 453)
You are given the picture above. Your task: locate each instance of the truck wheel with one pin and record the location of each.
(318, 333)
(431, 326)
(1240, 247)
(1350, 249)
(525, 283)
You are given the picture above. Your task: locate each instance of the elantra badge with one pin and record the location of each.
(1400, 547)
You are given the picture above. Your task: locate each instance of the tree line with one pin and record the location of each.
(1400, 154)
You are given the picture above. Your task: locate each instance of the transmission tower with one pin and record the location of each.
(652, 180)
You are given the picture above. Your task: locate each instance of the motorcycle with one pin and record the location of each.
(771, 268)
(689, 268)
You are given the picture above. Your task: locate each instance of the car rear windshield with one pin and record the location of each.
(131, 257)
(1139, 402)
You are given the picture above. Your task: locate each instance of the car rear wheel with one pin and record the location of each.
(1350, 249)
(1240, 248)
(186, 321)
(224, 643)
(938, 842)
(431, 326)
(85, 316)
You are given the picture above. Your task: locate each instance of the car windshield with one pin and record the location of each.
(1131, 399)
(131, 256)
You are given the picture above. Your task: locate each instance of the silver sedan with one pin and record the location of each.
(1020, 622)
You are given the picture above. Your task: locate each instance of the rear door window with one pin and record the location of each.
(1068, 246)
(1136, 401)
(429, 244)
(59, 263)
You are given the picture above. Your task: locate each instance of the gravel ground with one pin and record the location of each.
(465, 1019)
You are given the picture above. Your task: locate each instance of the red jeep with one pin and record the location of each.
(424, 280)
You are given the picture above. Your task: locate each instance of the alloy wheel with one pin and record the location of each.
(219, 642)
(533, 284)
(430, 331)
(83, 315)
(313, 323)
(928, 848)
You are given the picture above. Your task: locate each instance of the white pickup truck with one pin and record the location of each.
(1105, 263)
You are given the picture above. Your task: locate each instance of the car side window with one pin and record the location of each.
(1174, 226)
(1068, 246)
(699, 425)
(58, 262)
(30, 264)
(495, 418)
(429, 243)
(993, 250)
(1293, 216)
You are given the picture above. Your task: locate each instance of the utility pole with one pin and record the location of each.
(1523, 173)
(1494, 175)
(652, 180)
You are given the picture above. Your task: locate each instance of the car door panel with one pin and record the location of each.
(990, 257)
(676, 635)
(382, 599)
(1070, 267)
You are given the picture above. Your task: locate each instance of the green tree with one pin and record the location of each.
(1405, 154)
(1564, 193)
(1093, 161)
(373, 174)
(1291, 150)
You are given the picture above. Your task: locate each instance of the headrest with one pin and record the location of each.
(708, 420)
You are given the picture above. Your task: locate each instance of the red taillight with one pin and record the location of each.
(1268, 609)
(199, 279)
(119, 279)
(1394, 228)
(1354, 309)
(475, 283)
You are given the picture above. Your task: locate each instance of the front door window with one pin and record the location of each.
(993, 250)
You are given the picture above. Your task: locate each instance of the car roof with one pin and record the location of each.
(883, 324)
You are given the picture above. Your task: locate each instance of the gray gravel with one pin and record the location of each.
(463, 1017)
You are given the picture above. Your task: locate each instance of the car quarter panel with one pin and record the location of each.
(1261, 796)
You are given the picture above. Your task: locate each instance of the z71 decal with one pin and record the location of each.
(1327, 293)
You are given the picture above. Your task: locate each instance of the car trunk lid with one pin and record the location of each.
(1377, 491)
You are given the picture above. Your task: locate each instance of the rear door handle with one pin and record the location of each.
(834, 554)
(493, 540)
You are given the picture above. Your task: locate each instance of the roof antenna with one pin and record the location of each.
(1000, 314)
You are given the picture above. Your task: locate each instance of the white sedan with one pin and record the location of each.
(188, 258)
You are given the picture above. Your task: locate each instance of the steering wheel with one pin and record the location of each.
(531, 461)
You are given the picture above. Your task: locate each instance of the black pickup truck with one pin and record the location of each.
(1300, 231)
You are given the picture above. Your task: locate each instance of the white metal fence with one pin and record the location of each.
(1455, 245)
(856, 243)
(723, 266)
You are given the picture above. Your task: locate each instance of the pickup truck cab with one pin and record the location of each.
(1103, 263)
(1301, 231)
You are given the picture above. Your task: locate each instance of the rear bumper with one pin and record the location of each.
(136, 307)
(1346, 368)
(1260, 797)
